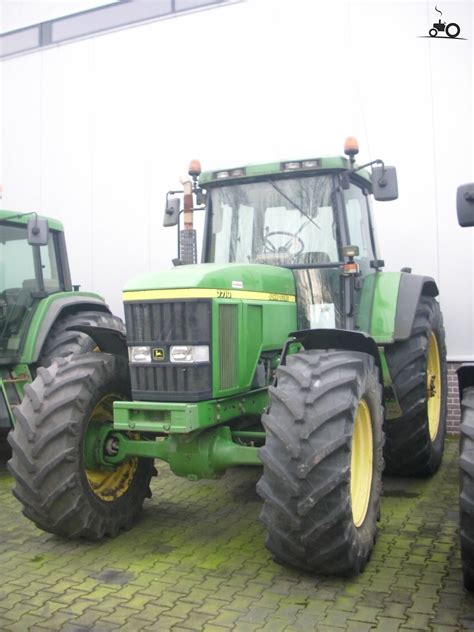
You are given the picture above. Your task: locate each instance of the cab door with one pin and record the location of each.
(361, 233)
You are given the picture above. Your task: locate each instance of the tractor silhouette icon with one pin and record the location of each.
(452, 29)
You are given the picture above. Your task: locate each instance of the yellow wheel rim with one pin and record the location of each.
(433, 386)
(361, 463)
(108, 485)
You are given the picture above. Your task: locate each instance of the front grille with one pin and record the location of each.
(161, 324)
(168, 321)
(228, 346)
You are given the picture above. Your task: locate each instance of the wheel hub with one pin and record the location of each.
(361, 463)
(433, 386)
(106, 482)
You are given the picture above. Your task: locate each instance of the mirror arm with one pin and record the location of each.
(377, 161)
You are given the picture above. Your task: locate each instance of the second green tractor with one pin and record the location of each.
(288, 347)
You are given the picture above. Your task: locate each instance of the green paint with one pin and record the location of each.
(391, 405)
(20, 376)
(5, 215)
(200, 455)
(261, 326)
(29, 354)
(364, 302)
(384, 309)
(94, 444)
(253, 277)
(338, 163)
(183, 418)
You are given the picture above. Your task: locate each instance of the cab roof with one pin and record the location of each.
(22, 218)
(298, 166)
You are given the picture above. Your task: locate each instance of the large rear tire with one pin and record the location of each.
(63, 405)
(62, 341)
(322, 460)
(466, 480)
(415, 441)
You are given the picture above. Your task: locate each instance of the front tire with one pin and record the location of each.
(466, 480)
(415, 441)
(322, 459)
(62, 406)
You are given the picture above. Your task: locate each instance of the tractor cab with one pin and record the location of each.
(312, 216)
(33, 265)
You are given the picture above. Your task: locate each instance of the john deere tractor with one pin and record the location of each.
(287, 347)
(38, 307)
(465, 209)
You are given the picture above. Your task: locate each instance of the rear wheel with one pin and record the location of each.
(62, 489)
(415, 441)
(453, 29)
(466, 498)
(322, 459)
(63, 341)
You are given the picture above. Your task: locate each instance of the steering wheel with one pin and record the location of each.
(269, 246)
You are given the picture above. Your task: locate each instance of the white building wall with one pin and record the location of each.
(97, 131)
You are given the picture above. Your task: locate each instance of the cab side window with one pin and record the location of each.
(358, 223)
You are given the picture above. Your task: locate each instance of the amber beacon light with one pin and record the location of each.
(351, 146)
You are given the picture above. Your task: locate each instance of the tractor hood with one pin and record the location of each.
(233, 279)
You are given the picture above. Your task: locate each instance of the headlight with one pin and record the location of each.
(139, 354)
(308, 164)
(189, 354)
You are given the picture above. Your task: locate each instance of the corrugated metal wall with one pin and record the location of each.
(97, 131)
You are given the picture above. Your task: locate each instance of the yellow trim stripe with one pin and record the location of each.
(150, 295)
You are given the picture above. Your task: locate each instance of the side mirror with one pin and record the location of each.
(37, 231)
(171, 211)
(384, 183)
(465, 204)
(201, 197)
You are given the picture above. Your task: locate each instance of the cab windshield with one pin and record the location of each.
(278, 221)
(20, 284)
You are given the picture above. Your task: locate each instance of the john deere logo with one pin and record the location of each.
(158, 354)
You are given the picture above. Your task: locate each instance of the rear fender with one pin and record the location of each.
(54, 310)
(411, 288)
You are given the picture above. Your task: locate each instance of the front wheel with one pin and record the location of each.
(466, 479)
(322, 460)
(61, 489)
(433, 32)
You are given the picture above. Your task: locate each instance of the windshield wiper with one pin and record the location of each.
(294, 205)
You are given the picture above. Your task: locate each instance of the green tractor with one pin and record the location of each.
(465, 209)
(287, 347)
(40, 312)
